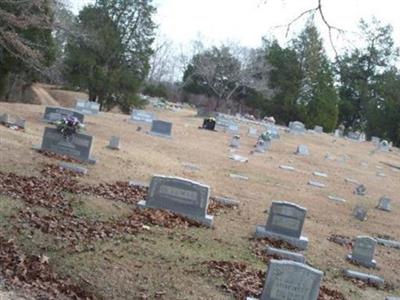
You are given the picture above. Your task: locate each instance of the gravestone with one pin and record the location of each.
(77, 146)
(285, 222)
(368, 278)
(181, 196)
(55, 114)
(302, 150)
(291, 281)
(161, 128)
(141, 116)
(360, 190)
(355, 136)
(4, 119)
(316, 184)
(252, 132)
(87, 107)
(209, 124)
(297, 127)
(360, 212)
(262, 146)
(227, 124)
(115, 143)
(272, 130)
(384, 204)
(235, 141)
(363, 251)
(318, 129)
(384, 146)
(375, 141)
(19, 122)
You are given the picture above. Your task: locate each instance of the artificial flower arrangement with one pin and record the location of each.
(69, 126)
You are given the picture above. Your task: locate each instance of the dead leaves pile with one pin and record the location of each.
(259, 246)
(243, 281)
(33, 274)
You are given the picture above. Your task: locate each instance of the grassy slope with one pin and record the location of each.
(168, 262)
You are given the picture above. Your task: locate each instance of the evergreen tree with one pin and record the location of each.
(361, 72)
(111, 57)
(318, 100)
(284, 79)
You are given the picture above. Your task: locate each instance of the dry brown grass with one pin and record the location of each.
(143, 155)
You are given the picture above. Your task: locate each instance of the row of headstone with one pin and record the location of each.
(158, 127)
(227, 124)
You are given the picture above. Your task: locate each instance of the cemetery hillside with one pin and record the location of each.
(133, 166)
(88, 228)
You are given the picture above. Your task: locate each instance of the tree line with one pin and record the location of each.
(359, 90)
(107, 50)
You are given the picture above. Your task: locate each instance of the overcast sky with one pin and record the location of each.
(247, 21)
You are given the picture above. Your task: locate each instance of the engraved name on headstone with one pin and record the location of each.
(291, 281)
(161, 128)
(285, 222)
(77, 146)
(182, 196)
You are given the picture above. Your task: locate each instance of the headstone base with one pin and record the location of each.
(300, 243)
(372, 264)
(90, 161)
(159, 135)
(208, 220)
(364, 277)
(285, 254)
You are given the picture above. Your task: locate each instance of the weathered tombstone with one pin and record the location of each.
(141, 116)
(297, 127)
(285, 222)
(360, 212)
(235, 141)
(272, 130)
(384, 146)
(318, 129)
(368, 278)
(302, 150)
(87, 107)
(77, 146)
(161, 128)
(355, 136)
(262, 146)
(55, 114)
(115, 143)
(360, 190)
(181, 196)
(291, 281)
(363, 251)
(375, 141)
(252, 132)
(384, 204)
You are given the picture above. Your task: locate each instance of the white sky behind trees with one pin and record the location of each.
(246, 21)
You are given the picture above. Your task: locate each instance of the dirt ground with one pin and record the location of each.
(155, 264)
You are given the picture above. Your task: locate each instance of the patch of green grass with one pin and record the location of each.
(8, 207)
